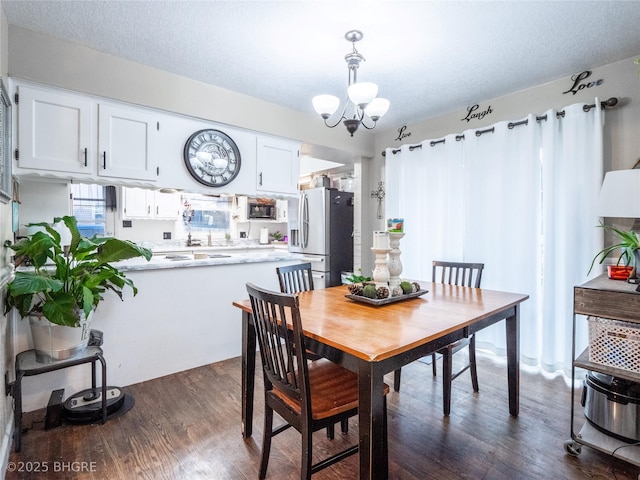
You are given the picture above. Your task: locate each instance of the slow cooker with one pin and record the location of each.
(612, 405)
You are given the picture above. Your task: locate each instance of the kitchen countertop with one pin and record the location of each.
(182, 257)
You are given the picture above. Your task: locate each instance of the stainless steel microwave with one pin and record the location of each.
(261, 211)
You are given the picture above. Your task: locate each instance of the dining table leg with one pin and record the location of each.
(512, 324)
(248, 372)
(374, 463)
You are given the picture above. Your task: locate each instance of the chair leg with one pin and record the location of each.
(396, 380)
(447, 371)
(307, 445)
(266, 441)
(433, 364)
(472, 363)
(344, 425)
(331, 432)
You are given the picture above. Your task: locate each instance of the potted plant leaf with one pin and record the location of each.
(65, 284)
(628, 245)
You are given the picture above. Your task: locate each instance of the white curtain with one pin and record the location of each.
(572, 176)
(521, 200)
(429, 198)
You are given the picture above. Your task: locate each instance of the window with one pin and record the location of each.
(89, 206)
(204, 214)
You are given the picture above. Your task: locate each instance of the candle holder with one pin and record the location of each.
(395, 264)
(381, 272)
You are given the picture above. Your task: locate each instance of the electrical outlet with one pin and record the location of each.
(243, 234)
(126, 224)
(166, 235)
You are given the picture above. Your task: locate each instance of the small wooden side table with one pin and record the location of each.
(27, 366)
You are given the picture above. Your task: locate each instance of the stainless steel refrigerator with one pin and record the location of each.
(323, 233)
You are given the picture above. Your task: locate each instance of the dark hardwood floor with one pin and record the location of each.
(187, 426)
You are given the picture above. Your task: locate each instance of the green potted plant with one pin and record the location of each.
(277, 236)
(628, 245)
(66, 283)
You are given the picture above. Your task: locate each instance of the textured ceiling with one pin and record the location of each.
(427, 57)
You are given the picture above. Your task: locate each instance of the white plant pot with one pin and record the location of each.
(58, 342)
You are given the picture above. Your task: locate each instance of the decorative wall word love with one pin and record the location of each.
(577, 86)
(402, 134)
(479, 116)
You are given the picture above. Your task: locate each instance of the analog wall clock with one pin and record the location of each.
(212, 157)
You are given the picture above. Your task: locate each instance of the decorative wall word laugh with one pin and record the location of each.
(479, 115)
(402, 134)
(577, 86)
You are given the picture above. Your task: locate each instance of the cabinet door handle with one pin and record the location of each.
(148, 209)
(260, 182)
(85, 157)
(104, 160)
(157, 210)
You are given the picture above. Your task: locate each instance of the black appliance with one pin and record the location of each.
(323, 233)
(261, 210)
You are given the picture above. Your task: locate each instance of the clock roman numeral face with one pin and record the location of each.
(212, 157)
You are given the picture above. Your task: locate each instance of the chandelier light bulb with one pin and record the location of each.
(362, 93)
(325, 105)
(377, 108)
(361, 107)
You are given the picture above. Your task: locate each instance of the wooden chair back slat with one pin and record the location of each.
(282, 349)
(295, 278)
(457, 273)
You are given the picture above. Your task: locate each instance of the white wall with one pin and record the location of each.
(42, 201)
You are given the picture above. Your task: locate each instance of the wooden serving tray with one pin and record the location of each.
(385, 301)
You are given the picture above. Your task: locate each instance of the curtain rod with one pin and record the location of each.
(611, 102)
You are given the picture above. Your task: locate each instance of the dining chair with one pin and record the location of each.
(462, 274)
(309, 396)
(299, 278)
(295, 278)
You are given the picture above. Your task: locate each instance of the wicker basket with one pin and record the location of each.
(614, 343)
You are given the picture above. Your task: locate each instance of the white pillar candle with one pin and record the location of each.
(380, 240)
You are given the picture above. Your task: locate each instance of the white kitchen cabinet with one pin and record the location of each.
(278, 165)
(65, 133)
(149, 204)
(55, 131)
(127, 142)
(167, 205)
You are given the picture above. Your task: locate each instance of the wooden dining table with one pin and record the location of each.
(373, 340)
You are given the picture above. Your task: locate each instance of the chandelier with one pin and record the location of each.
(361, 107)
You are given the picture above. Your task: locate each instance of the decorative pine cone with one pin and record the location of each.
(382, 292)
(397, 291)
(355, 289)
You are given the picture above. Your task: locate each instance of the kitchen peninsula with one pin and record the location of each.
(181, 318)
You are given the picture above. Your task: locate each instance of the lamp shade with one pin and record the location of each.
(620, 195)
(325, 105)
(362, 93)
(377, 108)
